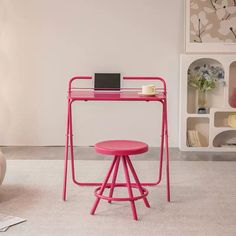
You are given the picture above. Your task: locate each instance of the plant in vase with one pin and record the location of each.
(205, 78)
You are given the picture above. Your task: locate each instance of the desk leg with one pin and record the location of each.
(66, 155)
(69, 141)
(162, 143)
(167, 153)
(71, 144)
(159, 178)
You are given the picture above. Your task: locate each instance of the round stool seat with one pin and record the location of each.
(121, 147)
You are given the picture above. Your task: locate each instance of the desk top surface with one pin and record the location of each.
(91, 95)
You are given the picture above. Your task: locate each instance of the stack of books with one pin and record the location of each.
(193, 138)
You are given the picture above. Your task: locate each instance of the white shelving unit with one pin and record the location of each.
(214, 132)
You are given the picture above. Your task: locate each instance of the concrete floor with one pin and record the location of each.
(88, 153)
(203, 200)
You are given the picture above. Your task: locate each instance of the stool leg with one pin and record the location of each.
(137, 180)
(114, 178)
(129, 188)
(103, 186)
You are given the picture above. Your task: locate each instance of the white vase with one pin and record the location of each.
(2, 167)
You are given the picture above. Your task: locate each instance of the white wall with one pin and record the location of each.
(45, 42)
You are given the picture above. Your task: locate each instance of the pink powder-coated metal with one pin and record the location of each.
(121, 199)
(80, 95)
(113, 184)
(126, 94)
(78, 78)
(143, 78)
(147, 78)
(121, 146)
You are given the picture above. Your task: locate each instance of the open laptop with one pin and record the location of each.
(107, 82)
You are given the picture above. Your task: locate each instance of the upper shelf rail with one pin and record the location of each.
(124, 78)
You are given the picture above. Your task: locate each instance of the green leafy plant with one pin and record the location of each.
(205, 77)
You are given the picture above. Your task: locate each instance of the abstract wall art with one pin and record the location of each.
(210, 26)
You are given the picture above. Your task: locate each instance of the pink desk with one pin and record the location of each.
(126, 94)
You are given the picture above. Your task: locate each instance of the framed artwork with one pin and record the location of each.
(210, 26)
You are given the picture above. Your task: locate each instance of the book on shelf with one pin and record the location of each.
(193, 139)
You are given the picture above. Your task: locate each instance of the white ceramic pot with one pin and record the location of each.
(2, 167)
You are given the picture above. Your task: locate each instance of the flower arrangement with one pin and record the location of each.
(205, 77)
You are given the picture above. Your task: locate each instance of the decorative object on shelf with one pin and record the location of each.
(210, 26)
(201, 101)
(232, 120)
(193, 139)
(233, 99)
(205, 78)
(226, 138)
(2, 167)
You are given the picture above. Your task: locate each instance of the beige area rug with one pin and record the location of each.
(203, 201)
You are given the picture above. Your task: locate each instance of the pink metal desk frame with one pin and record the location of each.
(126, 94)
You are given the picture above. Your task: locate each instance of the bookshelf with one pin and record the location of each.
(212, 129)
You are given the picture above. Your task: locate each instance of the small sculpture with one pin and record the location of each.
(232, 120)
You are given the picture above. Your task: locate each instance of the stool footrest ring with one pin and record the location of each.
(145, 193)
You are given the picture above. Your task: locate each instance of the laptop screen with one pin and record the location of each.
(107, 81)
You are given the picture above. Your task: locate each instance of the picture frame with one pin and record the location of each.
(210, 26)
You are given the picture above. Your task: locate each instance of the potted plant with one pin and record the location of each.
(205, 78)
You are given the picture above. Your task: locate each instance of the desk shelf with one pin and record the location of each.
(124, 95)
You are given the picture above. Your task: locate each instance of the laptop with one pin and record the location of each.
(107, 82)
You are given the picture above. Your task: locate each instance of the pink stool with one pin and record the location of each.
(121, 149)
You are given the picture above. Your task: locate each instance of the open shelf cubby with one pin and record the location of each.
(201, 127)
(225, 139)
(221, 119)
(214, 96)
(213, 128)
